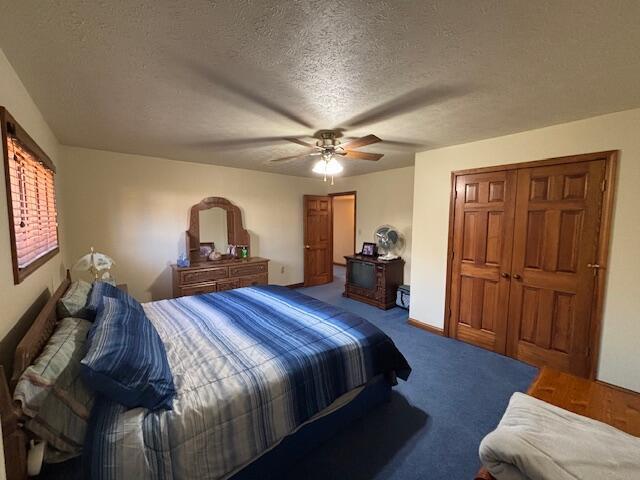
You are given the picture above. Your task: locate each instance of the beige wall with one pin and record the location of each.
(135, 209)
(17, 302)
(619, 359)
(382, 197)
(343, 227)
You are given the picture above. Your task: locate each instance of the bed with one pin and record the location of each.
(594, 400)
(262, 375)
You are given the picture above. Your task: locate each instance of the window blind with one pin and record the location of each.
(33, 202)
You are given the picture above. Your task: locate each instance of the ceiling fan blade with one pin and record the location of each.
(290, 158)
(400, 144)
(360, 142)
(363, 155)
(247, 93)
(405, 145)
(300, 142)
(240, 143)
(405, 103)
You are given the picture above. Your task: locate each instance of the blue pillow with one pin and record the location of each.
(126, 360)
(101, 290)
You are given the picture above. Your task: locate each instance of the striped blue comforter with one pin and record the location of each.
(250, 366)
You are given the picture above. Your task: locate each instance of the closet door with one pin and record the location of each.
(482, 247)
(557, 221)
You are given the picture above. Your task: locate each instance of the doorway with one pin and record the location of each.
(329, 235)
(344, 226)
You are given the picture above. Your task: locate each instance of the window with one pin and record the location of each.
(31, 199)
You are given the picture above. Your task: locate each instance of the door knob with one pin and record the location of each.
(595, 268)
(504, 275)
(517, 277)
(307, 246)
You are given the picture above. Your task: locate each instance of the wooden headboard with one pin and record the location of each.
(30, 346)
(13, 435)
(38, 334)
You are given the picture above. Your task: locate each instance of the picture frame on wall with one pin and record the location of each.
(369, 249)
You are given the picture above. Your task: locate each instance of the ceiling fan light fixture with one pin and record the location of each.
(327, 167)
(334, 167)
(320, 167)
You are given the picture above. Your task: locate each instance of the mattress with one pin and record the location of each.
(250, 366)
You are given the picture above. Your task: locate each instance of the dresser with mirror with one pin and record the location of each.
(215, 225)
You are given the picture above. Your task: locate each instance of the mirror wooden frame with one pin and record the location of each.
(236, 233)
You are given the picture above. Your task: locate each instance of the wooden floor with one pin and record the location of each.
(608, 404)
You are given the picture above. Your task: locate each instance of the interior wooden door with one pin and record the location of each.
(557, 226)
(318, 240)
(482, 242)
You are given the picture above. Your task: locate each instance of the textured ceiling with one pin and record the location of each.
(186, 80)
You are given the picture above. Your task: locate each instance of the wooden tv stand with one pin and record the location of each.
(387, 276)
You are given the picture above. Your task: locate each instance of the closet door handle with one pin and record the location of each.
(505, 275)
(517, 277)
(595, 268)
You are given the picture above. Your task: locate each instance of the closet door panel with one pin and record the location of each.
(557, 217)
(482, 241)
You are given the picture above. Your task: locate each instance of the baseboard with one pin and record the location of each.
(616, 387)
(296, 285)
(338, 264)
(426, 327)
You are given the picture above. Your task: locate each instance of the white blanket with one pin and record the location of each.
(539, 441)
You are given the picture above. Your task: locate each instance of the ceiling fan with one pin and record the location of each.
(329, 148)
(327, 145)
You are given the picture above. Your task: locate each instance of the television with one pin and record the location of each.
(363, 275)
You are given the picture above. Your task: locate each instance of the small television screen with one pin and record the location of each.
(362, 275)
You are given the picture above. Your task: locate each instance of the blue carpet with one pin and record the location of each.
(433, 425)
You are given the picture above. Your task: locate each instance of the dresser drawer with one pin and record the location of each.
(230, 284)
(197, 289)
(254, 280)
(204, 275)
(248, 269)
